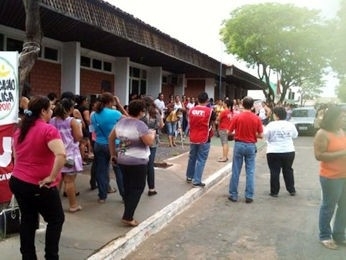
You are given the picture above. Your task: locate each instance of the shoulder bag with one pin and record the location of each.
(10, 219)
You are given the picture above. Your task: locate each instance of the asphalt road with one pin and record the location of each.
(270, 228)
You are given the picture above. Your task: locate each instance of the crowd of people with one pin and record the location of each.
(73, 132)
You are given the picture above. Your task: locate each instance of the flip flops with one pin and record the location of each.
(75, 209)
(132, 223)
(330, 244)
(222, 160)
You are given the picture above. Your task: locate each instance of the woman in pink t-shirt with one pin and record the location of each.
(39, 156)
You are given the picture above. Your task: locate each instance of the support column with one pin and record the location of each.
(154, 81)
(210, 87)
(121, 79)
(70, 67)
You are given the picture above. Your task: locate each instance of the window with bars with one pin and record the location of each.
(97, 64)
(14, 45)
(138, 81)
(51, 54)
(2, 47)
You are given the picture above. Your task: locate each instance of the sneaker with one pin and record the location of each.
(232, 199)
(188, 180)
(152, 192)
(248, 200)
(201, 184)
(273, 195)
(293, 193)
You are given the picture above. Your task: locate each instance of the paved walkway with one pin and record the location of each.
(96, 232)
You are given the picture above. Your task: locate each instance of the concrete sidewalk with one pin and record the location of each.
(96, 232)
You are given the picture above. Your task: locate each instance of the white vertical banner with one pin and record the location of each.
(9, 105)
(9, 88)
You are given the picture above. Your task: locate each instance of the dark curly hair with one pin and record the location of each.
(330, 118)
(63, 107)
(248, 102)
(35, 106)
(136, 106)
(103, 100)
(280, 112)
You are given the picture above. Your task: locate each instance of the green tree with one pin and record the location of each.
(309, 92)
(341, 90)
(337, 40)
(281, 39)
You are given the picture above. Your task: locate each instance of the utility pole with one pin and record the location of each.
(220, 79)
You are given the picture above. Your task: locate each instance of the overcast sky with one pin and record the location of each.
(197, 23)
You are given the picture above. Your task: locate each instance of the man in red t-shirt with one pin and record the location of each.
(201, 119)
(248, 127)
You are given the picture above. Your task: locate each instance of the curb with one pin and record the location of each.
(120, 247)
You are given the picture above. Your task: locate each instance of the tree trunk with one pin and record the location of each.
(283, 93)
(32, 44)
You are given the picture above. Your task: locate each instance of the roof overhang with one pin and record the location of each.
(104, 28)
(243, 79)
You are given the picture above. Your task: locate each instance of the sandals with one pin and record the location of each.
(75, 209)
(330, 244)
(111, 190)
(132, 223)
(222, 160)
(65, 194)
(152, 192)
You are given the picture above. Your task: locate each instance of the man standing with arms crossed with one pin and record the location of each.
(201, 119)
(248, 127)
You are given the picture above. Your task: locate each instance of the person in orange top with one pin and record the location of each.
(218, 108)
(330, 150)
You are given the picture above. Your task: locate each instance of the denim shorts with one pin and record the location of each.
(223, 136)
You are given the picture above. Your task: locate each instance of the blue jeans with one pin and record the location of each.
(102, 157)
(247, 152)
(333, 194)
(171, 128)
(197, 158)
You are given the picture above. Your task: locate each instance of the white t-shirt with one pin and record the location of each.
(279, 136)
(262, 113)
(190, 105)
(160, 104)
(178, 105)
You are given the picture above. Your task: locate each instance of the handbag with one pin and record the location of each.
(230, 137)
(69, 163)
(10, 219)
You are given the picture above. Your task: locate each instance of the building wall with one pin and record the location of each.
(92, 81)
(45, 78)
(194, 87)
(167, 90)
